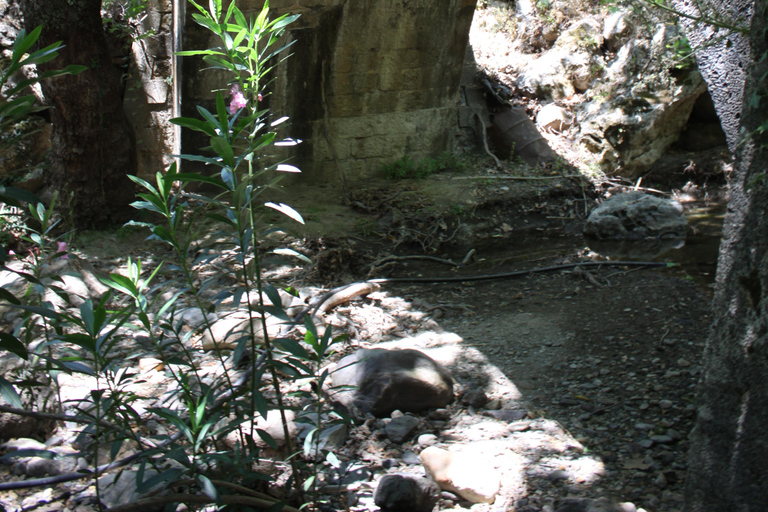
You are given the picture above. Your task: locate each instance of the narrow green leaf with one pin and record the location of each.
(195, 124)
(333, 460)
(12, 344)
(86, 314)
(207, 486)
(24, 42)
(285, 251)
(9, 394)
(122, 284)
(268, 439)
(48, 313)
(224, 150)
(77, 367)
(29, 452)
(292, 346)
(222, 113)
(18, 194)
(214, 7)
(283, 21)
(81, 340)
(208, 23)
(6, 295)
(191, 53)
(286, 210)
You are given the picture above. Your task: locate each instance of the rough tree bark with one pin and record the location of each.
(729, 446)
(92, 144)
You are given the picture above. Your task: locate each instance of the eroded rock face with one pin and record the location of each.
(632, 123)
(388, 380)
(624, 83)
(637, 216)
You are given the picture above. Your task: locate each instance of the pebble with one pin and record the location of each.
(23, 443)
(662, 439)
(665, 404)
(427, 439)
(410, 458)
(558, 474)
(519, 426)
(440, 414)
(674, 434)
(400, 429)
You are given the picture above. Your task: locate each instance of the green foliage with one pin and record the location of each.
(682, 53)
(406, 168)
(92, 341)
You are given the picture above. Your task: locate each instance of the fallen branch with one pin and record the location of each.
(53, 480)
(227, 499)
(344, 294)
(55, 417)
(493, 177)
(518, 273)
(485, 140)
(414, 257)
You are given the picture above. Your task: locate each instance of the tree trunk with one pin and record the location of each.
(92, 144)
(728, 468)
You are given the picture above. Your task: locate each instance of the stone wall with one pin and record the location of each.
(368, 82)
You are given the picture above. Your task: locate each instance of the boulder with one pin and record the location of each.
(406, 493)
(553, 118)
(637, 216)
(386, 380)
(467, 475)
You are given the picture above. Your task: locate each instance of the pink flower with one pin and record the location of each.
(260, 97)
(62, 247)
(238, 100)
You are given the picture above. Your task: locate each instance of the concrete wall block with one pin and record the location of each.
(362, 126)
(345, 61)
(347, 105)
(381, 146)
(356, 82)
(392, 86)
(413, 78)
(381, 102)
(321, 151)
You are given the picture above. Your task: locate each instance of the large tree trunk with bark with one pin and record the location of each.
(728, 462)
(92, 144)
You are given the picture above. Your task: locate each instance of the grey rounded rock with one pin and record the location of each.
(383, 381)
(401, 429)
(637, 216)
(406, 493)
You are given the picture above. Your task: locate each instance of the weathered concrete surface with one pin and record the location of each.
(369, 81)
